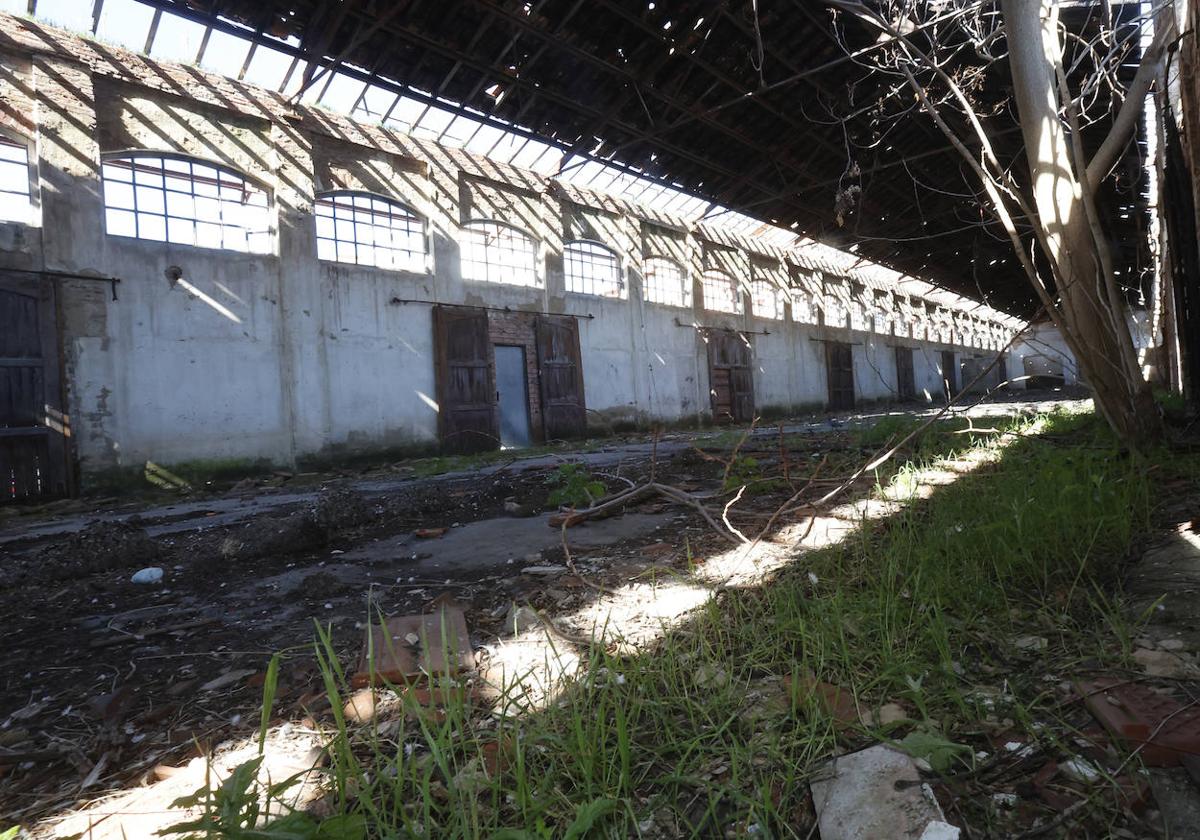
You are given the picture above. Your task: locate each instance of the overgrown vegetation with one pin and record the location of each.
(706, 734)
(573, 486)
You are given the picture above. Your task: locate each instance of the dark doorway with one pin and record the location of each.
(466, 383)
(839, 365)
(512, 396)
(949, 374)
(730, 377)
(561, 372)
(33, 451)
(906, 386)
(1001, 371)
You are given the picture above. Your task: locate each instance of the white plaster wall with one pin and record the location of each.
(1044, 340)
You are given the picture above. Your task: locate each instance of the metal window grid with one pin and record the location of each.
(592, 269)
(363, 229)
(721, 293)
(15, 198)
(496, 253)
(184, 202)
(767, 299)
(666, 282)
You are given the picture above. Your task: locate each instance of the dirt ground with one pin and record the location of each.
(109, 684)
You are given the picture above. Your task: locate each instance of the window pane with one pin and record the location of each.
(181, 231)
(151, 227)
(118, 195)
(14, 178)
(120, 223)
(150, 200)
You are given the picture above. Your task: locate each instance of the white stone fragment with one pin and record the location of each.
(938, 830)
(876, 792)
(151, 574)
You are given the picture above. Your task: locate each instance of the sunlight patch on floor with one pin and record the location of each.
(143, 811)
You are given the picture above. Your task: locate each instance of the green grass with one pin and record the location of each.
(700, 736)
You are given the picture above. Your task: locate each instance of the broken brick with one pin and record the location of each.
(442, 647)
(1158, 727)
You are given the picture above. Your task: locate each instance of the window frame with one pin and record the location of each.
(778, 294)
(685, 283)
(419, 261)
(466, 229)
(621, 281)
(735, 288)
(248, 184)
(30, 213)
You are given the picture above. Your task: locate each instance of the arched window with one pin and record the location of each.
(592, 269)
(767, 299)
(721, 292)
(177, 199)
(493, 252)
(665, 281)
(16, 203)
(365, 229)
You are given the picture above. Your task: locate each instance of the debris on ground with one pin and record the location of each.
(877, 792)
(99, 547)
(1160, 729)
(404, 648)
(150, 574)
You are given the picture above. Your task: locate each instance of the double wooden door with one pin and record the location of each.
(730, 376)
(465, 365)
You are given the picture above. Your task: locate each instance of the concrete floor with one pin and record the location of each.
(218, 511)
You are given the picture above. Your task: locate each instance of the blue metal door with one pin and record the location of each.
(511, 383)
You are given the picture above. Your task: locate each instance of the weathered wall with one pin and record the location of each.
(282, 355)
(1042, 341)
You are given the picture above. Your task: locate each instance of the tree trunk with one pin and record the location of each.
(1092, 311)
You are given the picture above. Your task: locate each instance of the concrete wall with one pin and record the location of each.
(1042, 344)
(210, 354)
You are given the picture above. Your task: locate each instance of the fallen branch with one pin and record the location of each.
(159, 631)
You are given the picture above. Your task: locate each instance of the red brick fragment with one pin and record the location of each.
(1162, 730)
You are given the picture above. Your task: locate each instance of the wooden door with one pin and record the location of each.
(560, 371)
(466, 382)
(949, 374)
(839, 366)
(906, 387)
(730, 377)
(33, 450)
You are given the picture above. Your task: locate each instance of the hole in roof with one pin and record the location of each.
(127, 23)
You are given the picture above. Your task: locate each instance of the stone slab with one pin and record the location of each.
(876, 792)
